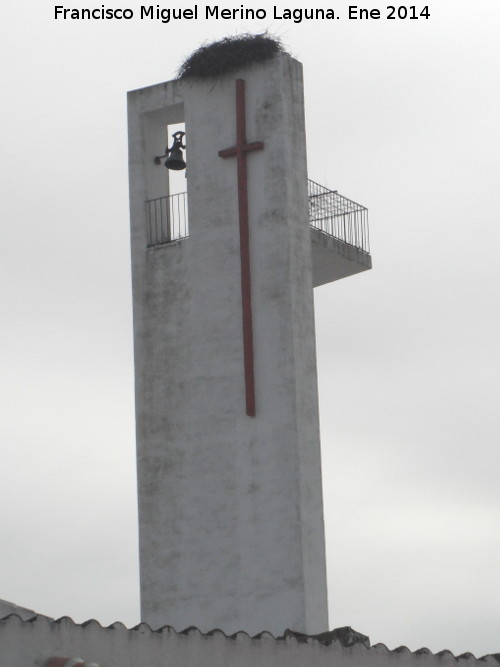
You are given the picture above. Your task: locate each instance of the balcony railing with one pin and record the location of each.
(331, 213)
(338, 216)
(167, 219)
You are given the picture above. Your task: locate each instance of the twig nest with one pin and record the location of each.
(228, 54)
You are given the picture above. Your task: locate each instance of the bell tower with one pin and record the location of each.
(228, 451)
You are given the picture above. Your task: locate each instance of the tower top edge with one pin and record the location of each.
(178, 84)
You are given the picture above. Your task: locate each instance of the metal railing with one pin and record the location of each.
(167, 219)
(338, 216)
(331, 213)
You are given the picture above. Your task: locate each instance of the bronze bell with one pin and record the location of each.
(175, 159)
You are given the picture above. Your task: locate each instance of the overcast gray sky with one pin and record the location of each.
(403, 117)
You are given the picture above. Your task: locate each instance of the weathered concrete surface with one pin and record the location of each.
(36, 643)
(231, 518)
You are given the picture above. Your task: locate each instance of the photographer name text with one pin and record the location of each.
(218, 12)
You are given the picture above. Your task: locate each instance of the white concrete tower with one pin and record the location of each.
(229, 473)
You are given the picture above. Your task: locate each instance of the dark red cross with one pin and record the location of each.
(240, 151)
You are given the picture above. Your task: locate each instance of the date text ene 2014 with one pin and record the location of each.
(392, 12)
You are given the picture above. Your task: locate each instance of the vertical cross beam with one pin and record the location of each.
(240, 151)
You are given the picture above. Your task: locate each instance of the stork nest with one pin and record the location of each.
(229, 54)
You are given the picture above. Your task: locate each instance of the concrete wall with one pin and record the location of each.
(39, 642)
(231, 518)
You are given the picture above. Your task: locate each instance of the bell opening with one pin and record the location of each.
(176, 161)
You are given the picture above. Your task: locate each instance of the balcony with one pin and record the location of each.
(166, 219)
(339, 235)
(338, 216)
(339, 230)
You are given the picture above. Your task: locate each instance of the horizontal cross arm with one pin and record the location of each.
(244, 148)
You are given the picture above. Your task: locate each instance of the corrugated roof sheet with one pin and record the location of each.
(344, 636)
